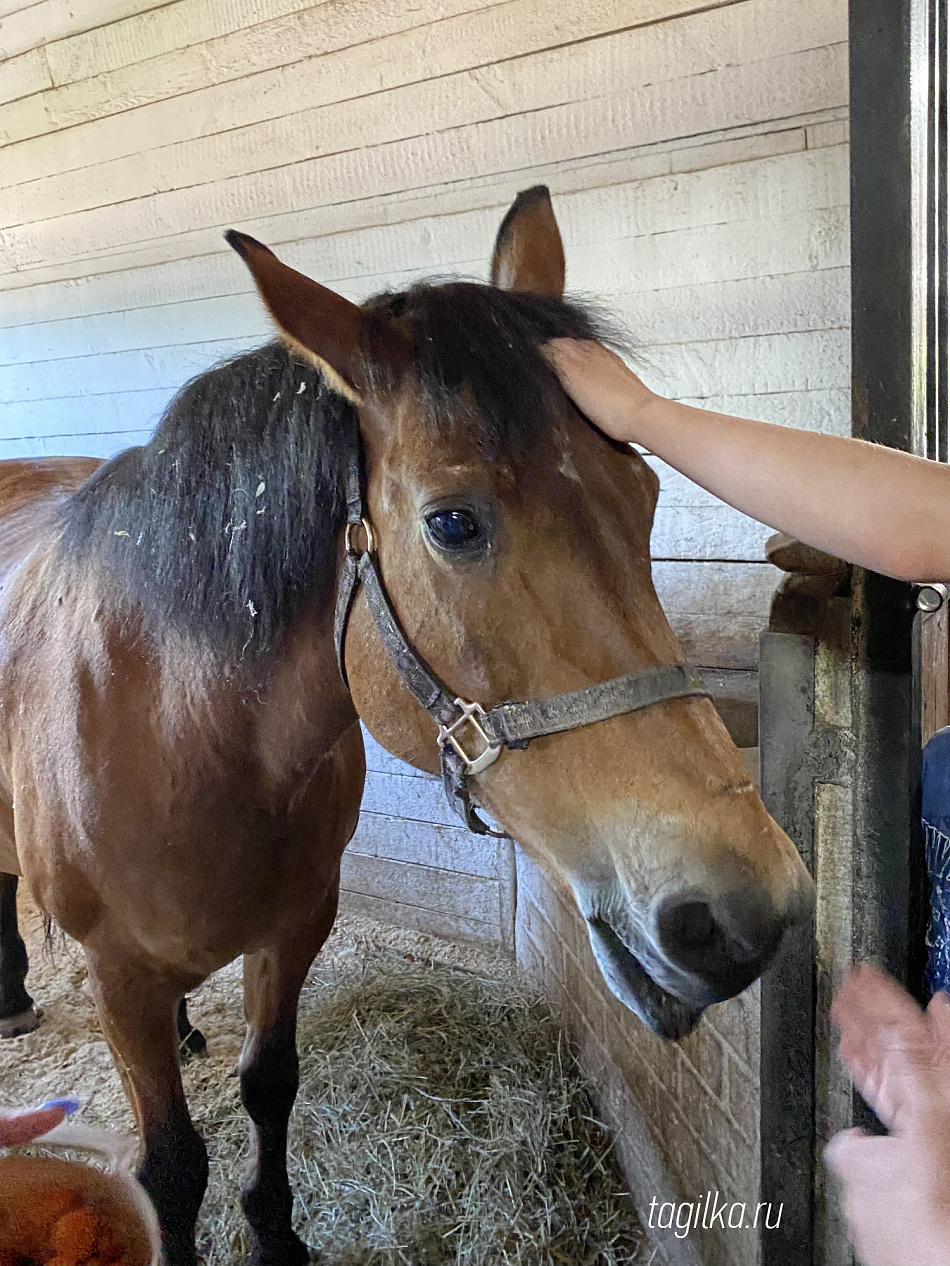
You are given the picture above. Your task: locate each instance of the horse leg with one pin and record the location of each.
(17, 1013)
(191, 1041)
(137, 1006)
(268, 1068)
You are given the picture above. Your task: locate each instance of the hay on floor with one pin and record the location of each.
(441, 1118)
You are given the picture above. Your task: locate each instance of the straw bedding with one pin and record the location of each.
(441, 1118)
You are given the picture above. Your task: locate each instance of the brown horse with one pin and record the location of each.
(181, 759)
(31, 492)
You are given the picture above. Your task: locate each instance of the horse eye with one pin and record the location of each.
(455, 529)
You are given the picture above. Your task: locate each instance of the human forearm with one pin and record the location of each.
(871, 505)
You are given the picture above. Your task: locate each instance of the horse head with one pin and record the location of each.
(512, 539)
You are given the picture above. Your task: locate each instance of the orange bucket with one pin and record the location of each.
(58, 1212)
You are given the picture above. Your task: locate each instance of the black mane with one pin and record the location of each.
(225, 524)
(465, 335)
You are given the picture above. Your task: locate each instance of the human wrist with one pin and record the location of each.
(644, 414)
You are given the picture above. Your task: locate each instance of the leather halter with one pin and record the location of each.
(510, 724)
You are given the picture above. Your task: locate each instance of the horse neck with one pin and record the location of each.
(279, 711)
(305, 705)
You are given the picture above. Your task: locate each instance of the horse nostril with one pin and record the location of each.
(690, 925)
(725, 944)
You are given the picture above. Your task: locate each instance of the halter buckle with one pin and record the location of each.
(370, 535)
(448, 734)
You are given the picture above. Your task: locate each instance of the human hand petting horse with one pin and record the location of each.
(184, 746)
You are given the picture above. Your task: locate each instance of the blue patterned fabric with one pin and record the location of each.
(935, 814)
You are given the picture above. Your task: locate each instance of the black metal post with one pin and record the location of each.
(889, 277)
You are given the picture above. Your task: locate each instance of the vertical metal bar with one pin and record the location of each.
(888, 275)
(890, 91)
(935, 175)
(941, 262)
(889, 902)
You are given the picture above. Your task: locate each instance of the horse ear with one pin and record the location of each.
(319, 324)
(529, 253)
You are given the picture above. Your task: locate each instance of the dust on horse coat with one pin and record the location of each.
(181, 760)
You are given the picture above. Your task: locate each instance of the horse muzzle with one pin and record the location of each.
(689, 951)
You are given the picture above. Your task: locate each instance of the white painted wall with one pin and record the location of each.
(698, 162)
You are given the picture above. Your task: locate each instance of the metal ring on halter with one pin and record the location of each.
(449, 734)
(348, 545)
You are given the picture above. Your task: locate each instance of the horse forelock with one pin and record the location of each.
(223, 527)
(473, 356)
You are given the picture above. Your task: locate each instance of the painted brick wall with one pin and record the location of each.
(685, 1115)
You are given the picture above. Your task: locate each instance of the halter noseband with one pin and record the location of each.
(510, 724)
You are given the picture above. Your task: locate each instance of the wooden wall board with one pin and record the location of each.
(558, 133)
(593, 70)
(165, 69)
(730, 147)
(452, 927)
(317, 59)
(25, 26)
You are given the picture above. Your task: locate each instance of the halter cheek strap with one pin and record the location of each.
(470, 737)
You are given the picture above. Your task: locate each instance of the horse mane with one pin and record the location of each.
(225, 524)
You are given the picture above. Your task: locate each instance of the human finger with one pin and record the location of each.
(886, 1041)
(26, 1124)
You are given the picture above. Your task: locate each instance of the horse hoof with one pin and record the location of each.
(291, 1252)
(17, 1025)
